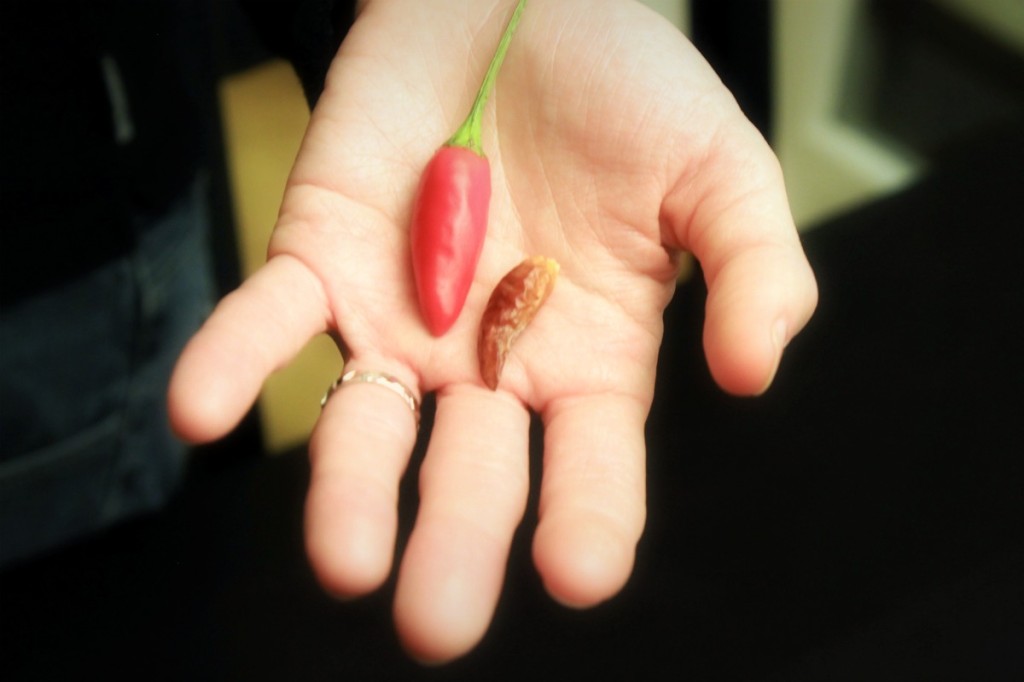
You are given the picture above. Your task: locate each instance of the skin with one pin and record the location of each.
(613, 147)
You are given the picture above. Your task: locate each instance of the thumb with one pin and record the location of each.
(735, 219)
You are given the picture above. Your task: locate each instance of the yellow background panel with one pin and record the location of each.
(265, 116)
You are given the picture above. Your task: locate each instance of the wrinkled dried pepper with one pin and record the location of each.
(449, 220)
(512, 306)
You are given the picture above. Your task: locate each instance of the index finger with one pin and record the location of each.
(254, 331)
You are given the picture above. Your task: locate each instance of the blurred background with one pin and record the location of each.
(856, 97)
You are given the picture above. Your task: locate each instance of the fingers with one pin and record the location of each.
(252, 332)
(592, 498)
(473, 487)
(757, 302)
(358, 452)
(734, 217)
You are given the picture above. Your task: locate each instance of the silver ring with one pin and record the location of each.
(380, 379)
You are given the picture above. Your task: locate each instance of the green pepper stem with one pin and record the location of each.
(469, 134)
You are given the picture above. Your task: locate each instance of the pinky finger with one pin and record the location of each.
(254, 331)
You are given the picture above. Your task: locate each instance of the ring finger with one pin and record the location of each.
(358, 452)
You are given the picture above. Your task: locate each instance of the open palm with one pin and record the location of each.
(612, 146)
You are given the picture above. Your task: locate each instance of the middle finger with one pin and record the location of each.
(473, 490)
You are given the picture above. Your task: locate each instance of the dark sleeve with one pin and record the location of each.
(305, 32)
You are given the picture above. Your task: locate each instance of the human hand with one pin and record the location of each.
(613, 147)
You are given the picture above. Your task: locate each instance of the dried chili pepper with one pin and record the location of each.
(449, 220)
(512, 306)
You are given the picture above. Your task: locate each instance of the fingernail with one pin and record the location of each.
(780, 337)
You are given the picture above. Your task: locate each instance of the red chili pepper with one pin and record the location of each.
(449, 225)
(449, 220)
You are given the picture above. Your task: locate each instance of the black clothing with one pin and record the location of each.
(109, 109)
